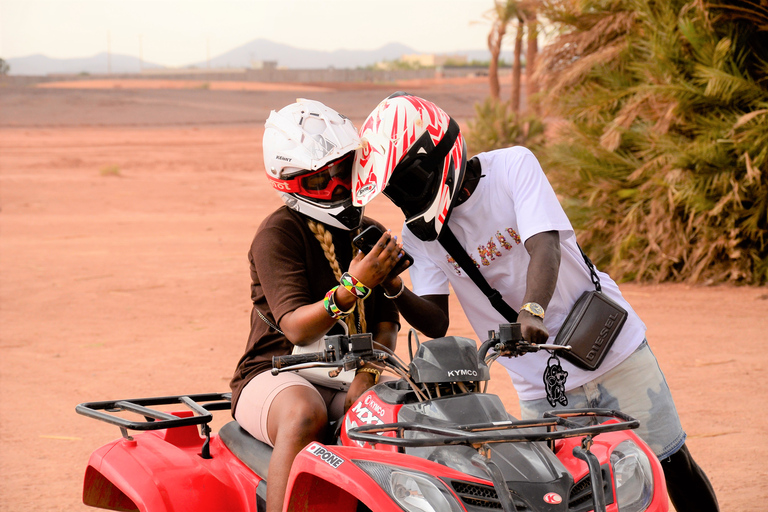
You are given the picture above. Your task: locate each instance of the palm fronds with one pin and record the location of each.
(664, 149)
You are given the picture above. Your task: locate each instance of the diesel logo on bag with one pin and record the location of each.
(602, 337)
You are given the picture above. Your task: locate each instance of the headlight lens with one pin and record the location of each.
(412, 490)
(633, 476)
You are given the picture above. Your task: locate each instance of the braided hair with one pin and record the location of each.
(326, 242)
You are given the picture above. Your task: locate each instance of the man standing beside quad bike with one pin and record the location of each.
(500, 209)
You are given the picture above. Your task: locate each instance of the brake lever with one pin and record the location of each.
(514, 348)
(304, 366)
(546, 346)
(523, 347)
(352, 361)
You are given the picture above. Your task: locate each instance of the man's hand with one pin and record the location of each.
(533, 328)
(373, 268)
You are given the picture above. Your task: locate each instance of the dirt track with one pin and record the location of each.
(125, 219)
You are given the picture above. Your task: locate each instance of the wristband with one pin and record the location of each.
(375, 371)
(355, 287)
(399, 292)
(329, 302)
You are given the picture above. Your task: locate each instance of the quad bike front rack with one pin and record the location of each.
(200, 405)
(482, 436)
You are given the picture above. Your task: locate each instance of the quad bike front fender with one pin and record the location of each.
(325, 479)
(602, 447)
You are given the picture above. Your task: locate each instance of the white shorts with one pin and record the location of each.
(261, 393)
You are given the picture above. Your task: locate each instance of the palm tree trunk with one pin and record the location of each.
(495, 37)
(516, 65)
(531, 53)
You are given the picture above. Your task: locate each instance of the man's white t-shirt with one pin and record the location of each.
(512, 202)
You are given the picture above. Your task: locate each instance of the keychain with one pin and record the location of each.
(554, 382)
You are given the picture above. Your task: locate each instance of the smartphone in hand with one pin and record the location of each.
(368, 238)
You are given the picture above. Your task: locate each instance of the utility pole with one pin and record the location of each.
(208, 51)
(141, 55)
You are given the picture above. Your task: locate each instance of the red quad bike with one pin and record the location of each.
(431, 441)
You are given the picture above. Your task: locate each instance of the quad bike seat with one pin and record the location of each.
(252, 452)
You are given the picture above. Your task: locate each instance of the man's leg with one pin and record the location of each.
(687, 485)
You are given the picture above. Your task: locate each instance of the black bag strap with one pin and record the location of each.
(449, 242)
(592, 272)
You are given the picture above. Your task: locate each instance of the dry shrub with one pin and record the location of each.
(496, 126)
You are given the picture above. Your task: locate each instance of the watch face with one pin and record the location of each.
(534, 308)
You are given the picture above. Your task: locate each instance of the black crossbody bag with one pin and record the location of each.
(590, 328)
(592, 325)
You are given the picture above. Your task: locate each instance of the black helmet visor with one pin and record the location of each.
(416, 180)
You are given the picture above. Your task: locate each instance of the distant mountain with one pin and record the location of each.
(100, 63)
(296, 58)
(244, 56)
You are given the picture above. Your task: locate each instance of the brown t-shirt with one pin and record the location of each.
(290, 270)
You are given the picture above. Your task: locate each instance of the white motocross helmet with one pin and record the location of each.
(308, 155)
(414, 153)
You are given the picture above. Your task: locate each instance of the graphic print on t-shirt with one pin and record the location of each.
(490, 251)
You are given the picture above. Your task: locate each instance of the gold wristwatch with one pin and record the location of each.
(534, 309)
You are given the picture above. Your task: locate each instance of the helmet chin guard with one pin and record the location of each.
(414, 153)
(308, 149)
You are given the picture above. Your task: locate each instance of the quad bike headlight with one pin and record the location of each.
(414, 491)
(633, 477)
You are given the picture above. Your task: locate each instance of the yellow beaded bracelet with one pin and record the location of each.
(375, 371)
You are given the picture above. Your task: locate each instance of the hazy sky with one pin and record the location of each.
(179, 32)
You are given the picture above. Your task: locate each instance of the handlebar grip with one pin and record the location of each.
(283, 361)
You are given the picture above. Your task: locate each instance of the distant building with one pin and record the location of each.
(430, 60)
(263, 64)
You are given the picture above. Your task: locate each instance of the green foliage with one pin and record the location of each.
(664, 149)
(497, 126)
(4, 67)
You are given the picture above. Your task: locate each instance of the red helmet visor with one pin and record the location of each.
(330, 183)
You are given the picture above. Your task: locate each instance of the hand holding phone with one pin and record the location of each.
(366, 240)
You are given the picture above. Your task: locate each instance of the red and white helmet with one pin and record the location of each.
(308, 154)
(414, 153)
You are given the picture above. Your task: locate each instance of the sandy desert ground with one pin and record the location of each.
(125, 216)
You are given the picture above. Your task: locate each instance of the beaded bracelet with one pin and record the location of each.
(354, 286)
(329, 302)
(373, 371)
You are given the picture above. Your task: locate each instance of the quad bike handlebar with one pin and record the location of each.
(341, 352)
(352, 352)
(508, 340)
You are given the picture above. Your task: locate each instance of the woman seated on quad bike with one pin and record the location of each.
(306, 278)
